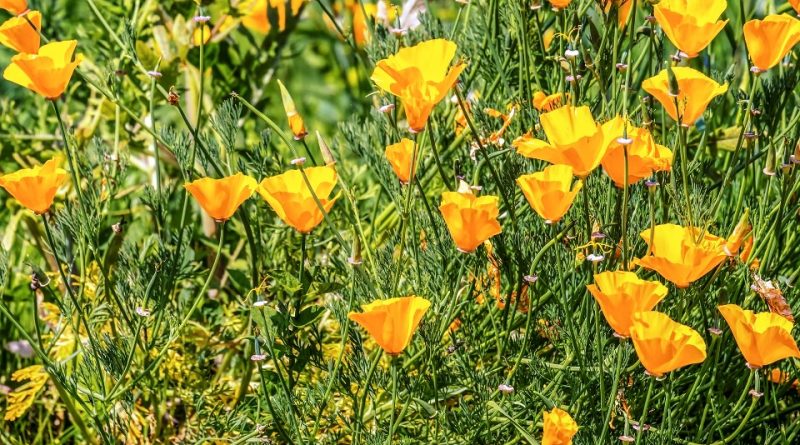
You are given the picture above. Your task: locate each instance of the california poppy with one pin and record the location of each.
(420, 76)
(547, 102)
(796, 5)
(575, 139)
(393, 321)
(664, 345)
(400, 156)
(624, 8)
(262, 15)
(558, 427)
(690, 24)
(48, 72)
(550, 192)
(621, 294)
(471, 220)
(695, 92)
(289, 196)
(15, 7)
(763, 338)
(295, 120)
(769, 40)
(18, 34)
(221, 197)
(560, 4)
(644, 156)
(35, 188)
(201, 34)
(741, 233)
(678, 257)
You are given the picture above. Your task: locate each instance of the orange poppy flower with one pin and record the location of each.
(547, 37)
(796, 5)
(548, 191)
(621, 294)
(664, 345)
(290, 198)
(17, 34)
(46, 73)
(575, 139)
(741, 233)
(690, 24)
(392, 322)
(560, 4)
(644, 156)
(420, 76)
(35, 188)
(559, 427)
(624, 8)
(676, 255)
(763, 338)
(295, 120)
(262, 15)
(400, 156)
(471, 220)
(221, 197)
(15, 7)
(695, 92)
(769, 40)
(544, 102)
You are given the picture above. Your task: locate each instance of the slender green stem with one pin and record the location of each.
(643, 417)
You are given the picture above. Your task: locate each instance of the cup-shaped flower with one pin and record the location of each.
(18, 34)
(35, 188)
(48, 72)
(550, 192)
(621, 294)
(420, 76)
(558, 427)
(262, 16)
(644, 156)
(575, 139)
(690, 24)
(695, 92)
(769, 40)
(763, 338)
(393, 321)
(560, 4)
(220, 198)
(15, 7)
(470, 219)
(678, 256)
(401, 158)
(290, 197)
(295, 120)
(664, 345)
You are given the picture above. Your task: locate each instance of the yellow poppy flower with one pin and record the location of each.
(17, 34)
(420, 76)
(547, 38)
(471, 220)
(221, 197)
(763, 338)
(621, 294)
(392, 322)
(15, 7)
(295, 120)
(575, 139)
(46, 73)
(559, 427)
(261, 15)
(677, 257)
(548, 191)
(201, 34)
(644, 156)
(690, 24)
(400, 156)
(695, 92)
(35, 188)
(544, 102)
(290, 198)
(664, 345)
(769, 40)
